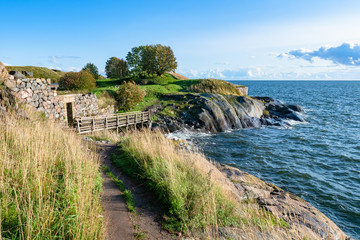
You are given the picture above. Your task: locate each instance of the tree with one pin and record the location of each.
(116, 68)
(133, 58)
(83, 80)
(129, 95)
(91, 68)
(151, 59)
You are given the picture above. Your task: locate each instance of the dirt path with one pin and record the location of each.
(145, 223)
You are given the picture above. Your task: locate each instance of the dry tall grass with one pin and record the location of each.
(49, 183)
(197, 195)
(214, 86)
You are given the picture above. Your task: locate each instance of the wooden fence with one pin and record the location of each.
(114, 121)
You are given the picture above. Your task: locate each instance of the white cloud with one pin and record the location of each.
(346, 54)
(74, 69)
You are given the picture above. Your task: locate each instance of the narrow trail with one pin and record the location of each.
(121, 224)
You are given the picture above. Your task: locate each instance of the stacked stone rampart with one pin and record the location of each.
(86, 105)
(37, 93)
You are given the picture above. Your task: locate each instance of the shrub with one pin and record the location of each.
(214, 86)
(116, 68)
(92, 68)
(83, 80)
(129, 95)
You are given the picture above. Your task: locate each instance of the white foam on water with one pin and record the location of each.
(186, 135)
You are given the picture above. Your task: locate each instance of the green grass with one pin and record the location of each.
(192, 201)
(50, 183)
(129, 199)
(158, 87)
(39, 72)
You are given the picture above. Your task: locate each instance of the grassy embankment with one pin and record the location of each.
(181, 180)
(157, 87)
(39, 72)
(49, 183)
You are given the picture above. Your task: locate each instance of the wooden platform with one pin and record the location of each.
(114, 121)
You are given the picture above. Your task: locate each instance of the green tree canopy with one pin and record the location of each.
(133, 58)
(151, 59)
(116, 68)
(91, 68)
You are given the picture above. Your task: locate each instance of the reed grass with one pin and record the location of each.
(50, 183)
(190, 188)
(214, 86)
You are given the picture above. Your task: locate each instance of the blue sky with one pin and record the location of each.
(263, 39)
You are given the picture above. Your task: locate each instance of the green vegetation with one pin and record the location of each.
(158, 87)
(151, 59)
(83, 80)
(50, 183)
(180, 179)
(214, 86)
(91, 68)
(126, 193)
(129, 95)
(39, 72)
(192, 200)
(116, 68)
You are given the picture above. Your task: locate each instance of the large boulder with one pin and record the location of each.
(17, 75)
(302, 219)
(3, 73)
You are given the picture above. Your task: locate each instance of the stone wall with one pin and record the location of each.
(86, 105)
(82, 105)
(37, 93)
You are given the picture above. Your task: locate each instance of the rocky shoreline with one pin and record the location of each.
(215, 113)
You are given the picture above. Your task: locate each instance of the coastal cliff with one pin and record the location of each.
(212, 112)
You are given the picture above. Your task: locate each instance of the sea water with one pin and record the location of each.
(318, 160)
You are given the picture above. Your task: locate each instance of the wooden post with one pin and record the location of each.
(117, 125)
(127, 123)
(78, 125)
(106, 123)
(142, 119)
(93, 124)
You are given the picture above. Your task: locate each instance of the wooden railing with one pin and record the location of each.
(114, 121)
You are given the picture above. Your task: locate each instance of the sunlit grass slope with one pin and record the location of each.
(194, 193)
(49, 183)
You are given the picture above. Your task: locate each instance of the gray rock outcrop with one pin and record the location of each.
(217, 113)
(303, 220)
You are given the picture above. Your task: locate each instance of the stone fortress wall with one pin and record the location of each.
(39, 94)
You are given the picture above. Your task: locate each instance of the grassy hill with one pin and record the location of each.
(39, 72)
(156, 87)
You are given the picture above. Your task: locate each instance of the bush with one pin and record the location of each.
(83, 80)
(129, 95)
(214, 86)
